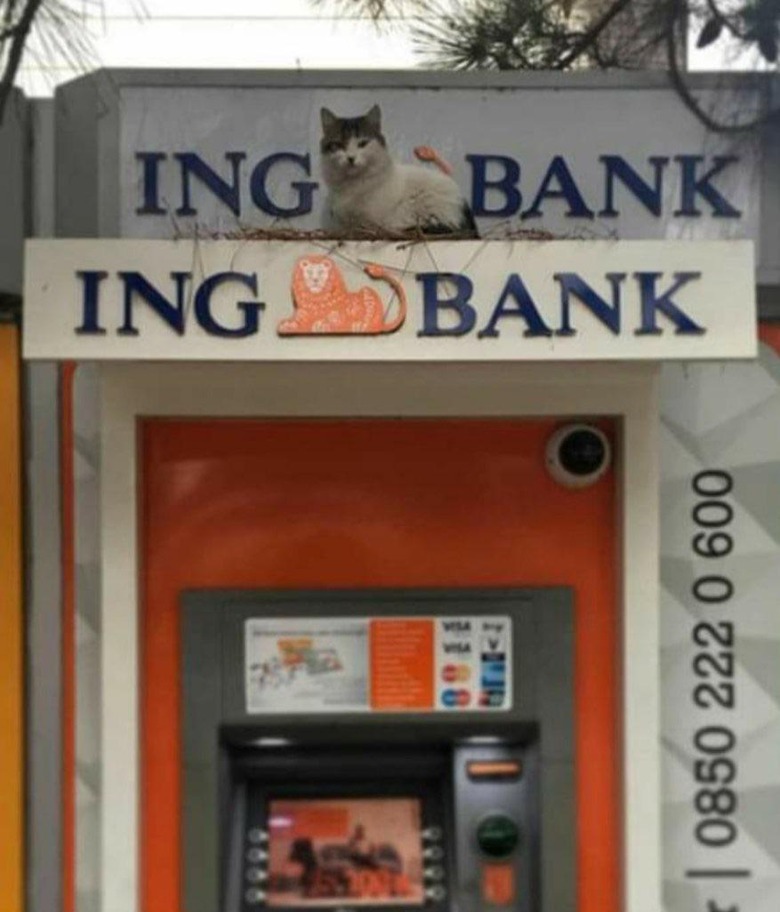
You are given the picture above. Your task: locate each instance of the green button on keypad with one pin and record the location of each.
(498, 836)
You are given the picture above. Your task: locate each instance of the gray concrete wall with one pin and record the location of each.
(14, 161)
(42, 167)
(43, 592)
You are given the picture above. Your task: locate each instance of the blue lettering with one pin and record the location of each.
(650, 196)
(304, 189)
(693, 186)
(495, 185)
(608, 314)
(458, 304)
(652, 303)
(172, 314)
(193, 164)
(526, 309)
(89, 311)
(250, 309)
(151, 183)
(567, 190)
(504, 183)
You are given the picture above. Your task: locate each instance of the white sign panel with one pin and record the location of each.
(435, 301)
(194, 156)
(409, 664)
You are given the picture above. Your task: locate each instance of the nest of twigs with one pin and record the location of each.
(409, 237)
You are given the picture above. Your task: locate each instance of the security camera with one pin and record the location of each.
(578, 455)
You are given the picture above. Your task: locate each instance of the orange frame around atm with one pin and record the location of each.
(373, 503)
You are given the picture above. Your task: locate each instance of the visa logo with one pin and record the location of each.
(457, 626)
(457, 648)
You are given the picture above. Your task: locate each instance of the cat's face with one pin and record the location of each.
(352, 147)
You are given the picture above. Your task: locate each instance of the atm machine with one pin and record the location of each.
(378, 750)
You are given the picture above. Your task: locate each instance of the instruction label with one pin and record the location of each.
(396, 664)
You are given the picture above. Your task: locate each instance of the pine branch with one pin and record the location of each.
(677, 12)
(18, 41)
(591, 35)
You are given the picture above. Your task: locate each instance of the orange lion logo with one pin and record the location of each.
(324, 306)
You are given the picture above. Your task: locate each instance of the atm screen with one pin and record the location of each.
(327, 851)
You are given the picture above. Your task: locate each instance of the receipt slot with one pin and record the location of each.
(393, 750)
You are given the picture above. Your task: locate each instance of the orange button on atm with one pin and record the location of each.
(498, 884)
(493, 770)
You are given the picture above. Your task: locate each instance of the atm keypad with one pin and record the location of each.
(496, 828)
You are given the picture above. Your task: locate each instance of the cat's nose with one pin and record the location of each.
(351, 159)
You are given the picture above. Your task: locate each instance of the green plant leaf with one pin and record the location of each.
(767, 45)
(711, 32)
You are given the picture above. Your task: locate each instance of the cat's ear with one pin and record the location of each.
(328, 119)
(374, 118)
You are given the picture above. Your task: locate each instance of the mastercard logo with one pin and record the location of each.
(457, 698)
(455, 673)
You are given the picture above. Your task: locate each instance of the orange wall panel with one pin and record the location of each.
(11, 671)
(371, 503)
(769, 334)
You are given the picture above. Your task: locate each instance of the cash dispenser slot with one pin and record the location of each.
(438, 811)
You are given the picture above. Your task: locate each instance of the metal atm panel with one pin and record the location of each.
(493, 789)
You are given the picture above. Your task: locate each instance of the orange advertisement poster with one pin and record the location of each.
(361, 851)
(402, 664)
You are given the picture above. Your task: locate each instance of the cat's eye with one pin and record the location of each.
(332, 147)
(362, 143)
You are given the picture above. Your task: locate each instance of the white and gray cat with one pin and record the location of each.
(371, 193)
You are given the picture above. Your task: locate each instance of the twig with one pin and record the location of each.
(590, 36)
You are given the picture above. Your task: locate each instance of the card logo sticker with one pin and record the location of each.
(393, 664)
(473, 663)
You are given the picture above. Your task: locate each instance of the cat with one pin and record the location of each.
(370, 193)
(323, 304)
